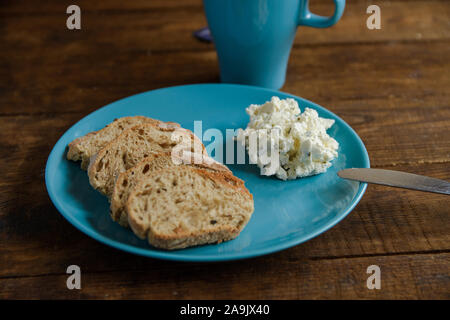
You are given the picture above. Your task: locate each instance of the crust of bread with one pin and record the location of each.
(185, 240)
(226, 179)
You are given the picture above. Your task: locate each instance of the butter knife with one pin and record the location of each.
(396, 179)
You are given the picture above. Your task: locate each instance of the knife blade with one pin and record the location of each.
(396, 179)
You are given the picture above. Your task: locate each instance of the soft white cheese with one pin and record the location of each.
(297, 143)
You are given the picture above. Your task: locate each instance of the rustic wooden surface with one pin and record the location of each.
(391, 85)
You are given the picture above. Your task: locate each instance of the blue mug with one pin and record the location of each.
(253, 38)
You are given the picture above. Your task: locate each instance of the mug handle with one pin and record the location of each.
(307, 18)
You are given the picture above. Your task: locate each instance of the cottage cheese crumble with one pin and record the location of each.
(297, 143)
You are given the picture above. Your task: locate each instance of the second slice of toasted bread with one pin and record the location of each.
(132, 146)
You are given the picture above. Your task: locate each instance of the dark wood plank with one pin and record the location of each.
(367, 71)
(357, 72)
(170, 23)
(285, 275)
(47, 67)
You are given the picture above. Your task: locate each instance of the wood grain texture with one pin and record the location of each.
(284, 275)
(136, 50)
(392, 86)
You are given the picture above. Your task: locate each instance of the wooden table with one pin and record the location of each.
(391, 85)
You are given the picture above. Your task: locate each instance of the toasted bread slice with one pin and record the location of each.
(132, 146)
(85, 147)
(126, 181)
(182, 206)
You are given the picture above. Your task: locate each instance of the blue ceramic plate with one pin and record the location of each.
(286, 213)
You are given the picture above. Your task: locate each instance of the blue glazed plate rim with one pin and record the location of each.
(60, 147)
